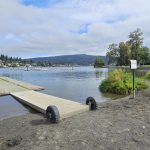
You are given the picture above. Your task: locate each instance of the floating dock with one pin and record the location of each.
(53, 107)
(40, 102)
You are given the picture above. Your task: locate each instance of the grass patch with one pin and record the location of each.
(120, 82)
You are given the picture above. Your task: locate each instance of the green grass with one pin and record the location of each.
(120, 82)
(148, 75)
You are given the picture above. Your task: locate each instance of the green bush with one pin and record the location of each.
(120, 82)
(148, 75)
(98, 62)
(140, 84)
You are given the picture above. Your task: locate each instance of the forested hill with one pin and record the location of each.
(80, 59)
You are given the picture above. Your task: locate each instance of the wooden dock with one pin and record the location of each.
(40, 102)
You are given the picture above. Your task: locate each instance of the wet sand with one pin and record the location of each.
(122, 124)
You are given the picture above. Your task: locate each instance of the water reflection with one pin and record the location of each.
(98, 73)
(9, 107)
(14, 76)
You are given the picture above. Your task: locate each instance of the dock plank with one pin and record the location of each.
(8, 85)
(6, 88)
(40, 102)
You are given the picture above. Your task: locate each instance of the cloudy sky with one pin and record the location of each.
(31, 28)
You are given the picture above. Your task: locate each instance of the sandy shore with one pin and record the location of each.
(117, 125)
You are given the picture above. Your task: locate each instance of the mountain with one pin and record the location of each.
(79, 59)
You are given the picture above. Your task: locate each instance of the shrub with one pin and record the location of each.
(140, 84)
(98, 62)
(148, 75)
(120, 82)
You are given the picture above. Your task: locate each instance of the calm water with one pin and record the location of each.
(74, 84)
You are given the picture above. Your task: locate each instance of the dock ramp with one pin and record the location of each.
(40, 102)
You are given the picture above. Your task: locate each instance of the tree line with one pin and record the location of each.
(6, 58)
(121, 54)
(14, 61)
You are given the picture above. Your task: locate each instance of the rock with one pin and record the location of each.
(14, 141)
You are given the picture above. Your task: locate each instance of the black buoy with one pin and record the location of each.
(52, 114)
(92, 103)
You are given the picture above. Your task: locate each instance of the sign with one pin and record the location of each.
(133, 64)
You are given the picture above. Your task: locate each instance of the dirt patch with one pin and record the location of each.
(123, 124)
(8, 143)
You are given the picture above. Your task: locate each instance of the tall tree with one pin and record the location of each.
(136, 41)
(144, 56)
(124, 54)
(112, 54)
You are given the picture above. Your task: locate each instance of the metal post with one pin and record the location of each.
(133, 84)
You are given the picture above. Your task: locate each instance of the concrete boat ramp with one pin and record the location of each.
(53, 107)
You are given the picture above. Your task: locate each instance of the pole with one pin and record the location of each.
(133, 84)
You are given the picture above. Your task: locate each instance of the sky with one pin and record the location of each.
(38, 28)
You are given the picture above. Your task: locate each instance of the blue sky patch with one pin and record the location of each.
(117, 19)
(83, 29)
(39, 3)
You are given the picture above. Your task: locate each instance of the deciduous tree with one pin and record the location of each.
(136, 41)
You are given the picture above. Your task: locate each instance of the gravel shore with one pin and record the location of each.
(122, 124)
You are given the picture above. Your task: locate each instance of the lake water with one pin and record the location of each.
(74, 84)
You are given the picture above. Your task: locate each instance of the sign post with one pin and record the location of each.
(133, 84)
(133, 66)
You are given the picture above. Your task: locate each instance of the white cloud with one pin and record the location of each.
(29, 31)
